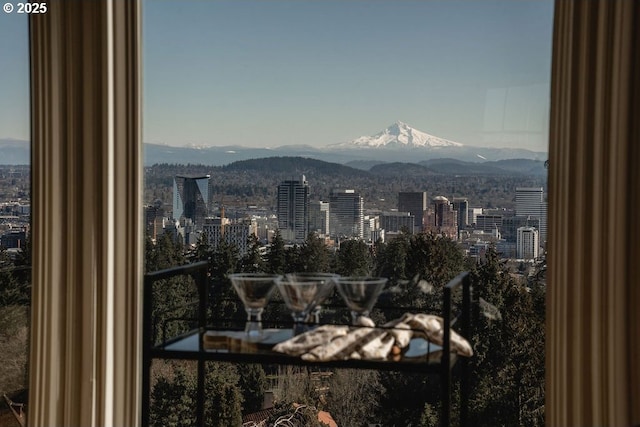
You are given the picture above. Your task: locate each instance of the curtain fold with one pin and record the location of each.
(87, 222)
(594, 263)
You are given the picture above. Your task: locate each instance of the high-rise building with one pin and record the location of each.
(153, 216)
(319, 217)
(461, 206)
(528, 244)
(14, 238)
(346, 214)
(377, 235)
(489, 223)
(511, 224)
(530, 202)
(235, 232)
(473, 215)
(442, 219)
(415, 203)
(293, 209)
(191, 198)
(371, 224)
(398, 221)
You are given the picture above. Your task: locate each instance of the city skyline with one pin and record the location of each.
(267, 74)
(517, 231)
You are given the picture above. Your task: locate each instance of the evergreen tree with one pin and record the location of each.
(12, 291)
(253, 385)
(224, 261)
(391, 258)
(223, 406)
(165, 253)
(226, 307)
(405, 397)
(509, 348)
(174, 396)
(314, 255)
(293, 259)
(354, 259)
(419, 267)
(434, 258)
(202, 250)
(431, 262)
(276, 256)
(170, 295)
(252, 261)
(173, 401)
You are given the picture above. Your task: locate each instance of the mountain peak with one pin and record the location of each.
(400, 134)
(399, 127)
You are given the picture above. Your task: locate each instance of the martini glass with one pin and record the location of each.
(254, 290)
(303, 292)
(360, 294)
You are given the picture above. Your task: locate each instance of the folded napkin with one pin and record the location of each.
(365, 341)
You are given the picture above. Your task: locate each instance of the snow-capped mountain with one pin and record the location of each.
(399, 135)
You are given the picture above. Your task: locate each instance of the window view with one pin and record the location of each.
(15, 257)
(336, 164)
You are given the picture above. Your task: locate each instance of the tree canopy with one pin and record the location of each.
(507, 369)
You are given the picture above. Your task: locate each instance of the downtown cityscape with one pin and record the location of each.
(517, 232)
(265, 152)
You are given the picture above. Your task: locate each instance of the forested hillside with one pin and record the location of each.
(255, 182)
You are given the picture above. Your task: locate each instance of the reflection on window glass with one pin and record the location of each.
(15, 256)
(405, 140)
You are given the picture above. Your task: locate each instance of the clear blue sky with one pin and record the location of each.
(270, 73)
(14, 76)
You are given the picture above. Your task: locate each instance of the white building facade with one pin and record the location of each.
(236, 233)
(528, 243)
(530, 202)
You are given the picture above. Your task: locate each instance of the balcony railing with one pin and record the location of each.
(189, 344)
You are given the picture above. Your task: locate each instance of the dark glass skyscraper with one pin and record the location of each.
(461, 206)
(191, 198)
(293, 209)
(346, 214)
(415, 203)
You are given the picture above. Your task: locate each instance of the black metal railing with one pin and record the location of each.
(453, 312)
(198, 271)
(462, 280)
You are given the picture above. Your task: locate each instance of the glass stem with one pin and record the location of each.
(299, 325)
(253, 327)
(356, 315)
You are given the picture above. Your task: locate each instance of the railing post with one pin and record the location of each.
(445, 417)
(198, 271)
(147, 304)
(465, 379)
(203, 289)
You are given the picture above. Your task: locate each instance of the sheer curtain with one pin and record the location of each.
(593, 342)
(87, 246)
